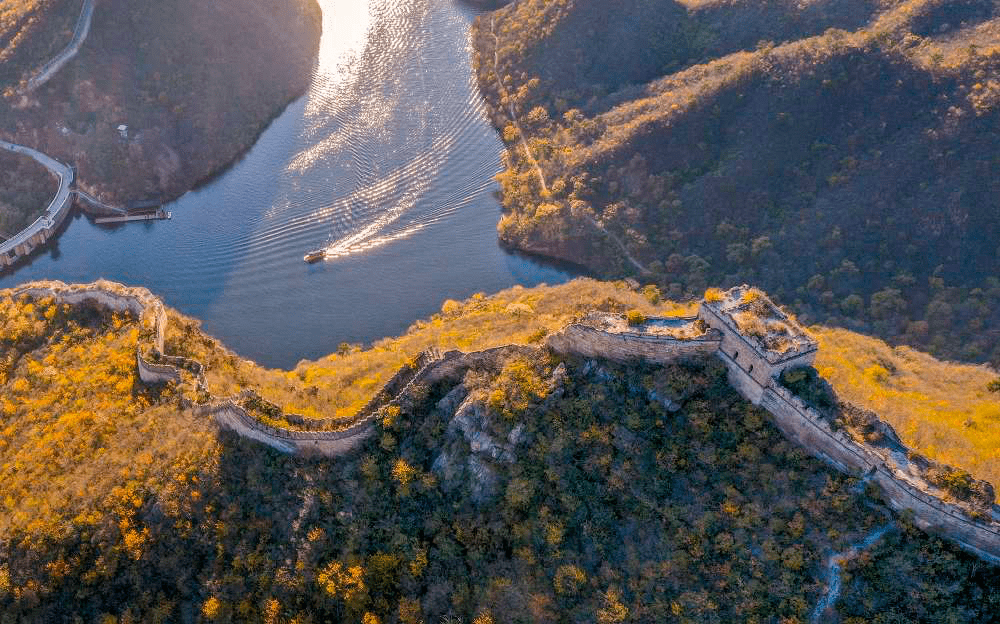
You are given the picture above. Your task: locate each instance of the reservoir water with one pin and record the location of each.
(387, 163)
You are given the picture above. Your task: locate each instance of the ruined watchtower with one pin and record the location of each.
(758, 339)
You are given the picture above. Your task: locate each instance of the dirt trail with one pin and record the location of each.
(836, 564)
(531, 158)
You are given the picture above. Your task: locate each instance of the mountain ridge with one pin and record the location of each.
(864, 152)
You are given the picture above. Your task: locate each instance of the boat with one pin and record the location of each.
(315, 256)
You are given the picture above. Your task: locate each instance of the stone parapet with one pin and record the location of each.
(588, 341)
(720, 314)
(805, 426)
(139, 301)
(154, 367)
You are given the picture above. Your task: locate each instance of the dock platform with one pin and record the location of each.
(149, 216)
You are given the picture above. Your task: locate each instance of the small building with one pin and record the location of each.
(123, 131)
(759, 341)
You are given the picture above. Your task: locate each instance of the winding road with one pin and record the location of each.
(54, 65)
(43, 227)
(57, 208)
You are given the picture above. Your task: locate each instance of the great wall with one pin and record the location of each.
(753, 338)
(36, 234)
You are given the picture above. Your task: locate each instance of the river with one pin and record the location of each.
(387, 162)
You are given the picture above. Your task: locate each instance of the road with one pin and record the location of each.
(54, 212)
(79, 36)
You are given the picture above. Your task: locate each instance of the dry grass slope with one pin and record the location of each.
(73, 416)
(940, 409)
(338, 385)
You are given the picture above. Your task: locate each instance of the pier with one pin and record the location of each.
(156, 215)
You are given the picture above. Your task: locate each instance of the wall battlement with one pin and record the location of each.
(752, 369)
(597, 337)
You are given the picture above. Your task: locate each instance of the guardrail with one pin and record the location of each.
(45, 226)
(80, 33)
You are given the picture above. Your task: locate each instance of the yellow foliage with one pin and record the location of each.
(344, 582)
(613, 611)
(409, 611)
(713, 295)
(272, 609)
(4, 581)
(419, 562)
(403, 473)
(569, 579)
(72, 421)
(211, 608)
(752, 295)
(635, 317)
(940, 409)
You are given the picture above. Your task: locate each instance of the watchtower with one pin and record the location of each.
(758, 339)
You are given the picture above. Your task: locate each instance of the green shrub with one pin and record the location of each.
(635, 317)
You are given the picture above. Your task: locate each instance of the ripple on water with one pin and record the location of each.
(388, 162)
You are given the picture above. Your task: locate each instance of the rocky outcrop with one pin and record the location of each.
(478, 442)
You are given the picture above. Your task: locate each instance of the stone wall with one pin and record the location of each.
(806, 427)
(740, 380)
(139, 301)
(227, 413)
(230, 415)
(748, 353)
(587, 341)
(151, 373)
(800, 423)
(753, 374)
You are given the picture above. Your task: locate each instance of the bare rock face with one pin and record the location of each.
(478, 443)
(449, 404)
(472, 449)
(476, 423)
(483, 479)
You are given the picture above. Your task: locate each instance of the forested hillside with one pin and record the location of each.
(194, 82)
(602, 506)
(843, 155)
(26, 188)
